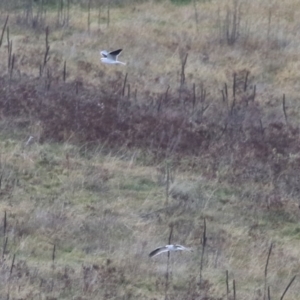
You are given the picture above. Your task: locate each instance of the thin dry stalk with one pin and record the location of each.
(269, 29)
(7, 38)
(194, 96)
(202, 93)
(288, 286)
(12, 66)
(266, 269)
(223, 130)
(227, 285)
(182, 74)
(167, 184)
(108, 14)
(196, 16)
(128, 91)
(99, 15)
(202, 99)
(204, 238)
(12, 265)
(166, 94)
(174, 142)
(4, 224)
(76, 87)
(46, 54)
(135, 95)
(284, 108)
(41, 14)
(3, 30)
(65, 71)
(234, 291)
(48, 80)
(68, 12)
(225, 94)
(77, 110)
(168, 264)
(159, 104)
(4, 246)
(5, 238)
(61, 13)
(254, 93)
(53, 266)
(233, 93)
(246, 81)
(269, 293)
(124, 84)
(58, 15)
(9, 56)
(262, 129)
(28, 12)
(89, 16)
(232, 23)
(47, 37)
(53, 254)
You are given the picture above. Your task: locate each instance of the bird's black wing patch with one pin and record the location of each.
(154, 252)
(116, 52)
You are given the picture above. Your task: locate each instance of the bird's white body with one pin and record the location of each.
(111, 57)
(168, 248)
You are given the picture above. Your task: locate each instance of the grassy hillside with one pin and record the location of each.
(195, 140)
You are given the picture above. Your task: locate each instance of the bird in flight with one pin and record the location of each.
(168, 248)
(111, 57)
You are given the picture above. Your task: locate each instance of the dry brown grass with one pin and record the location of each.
(105, 214)
(93, 183)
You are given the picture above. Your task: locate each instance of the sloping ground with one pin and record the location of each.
(86, 201)
(104, 215)
(104, 212)
(242, 139)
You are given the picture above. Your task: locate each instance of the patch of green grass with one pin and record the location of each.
(279, 217)
(222, 194)
(181, 2)
(138, 184)
(291, 231)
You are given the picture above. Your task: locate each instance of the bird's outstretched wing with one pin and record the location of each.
(182, 248)
(115, 52)
(158, 251)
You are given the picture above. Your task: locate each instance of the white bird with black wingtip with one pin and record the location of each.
(168, 248)
(111, 57)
